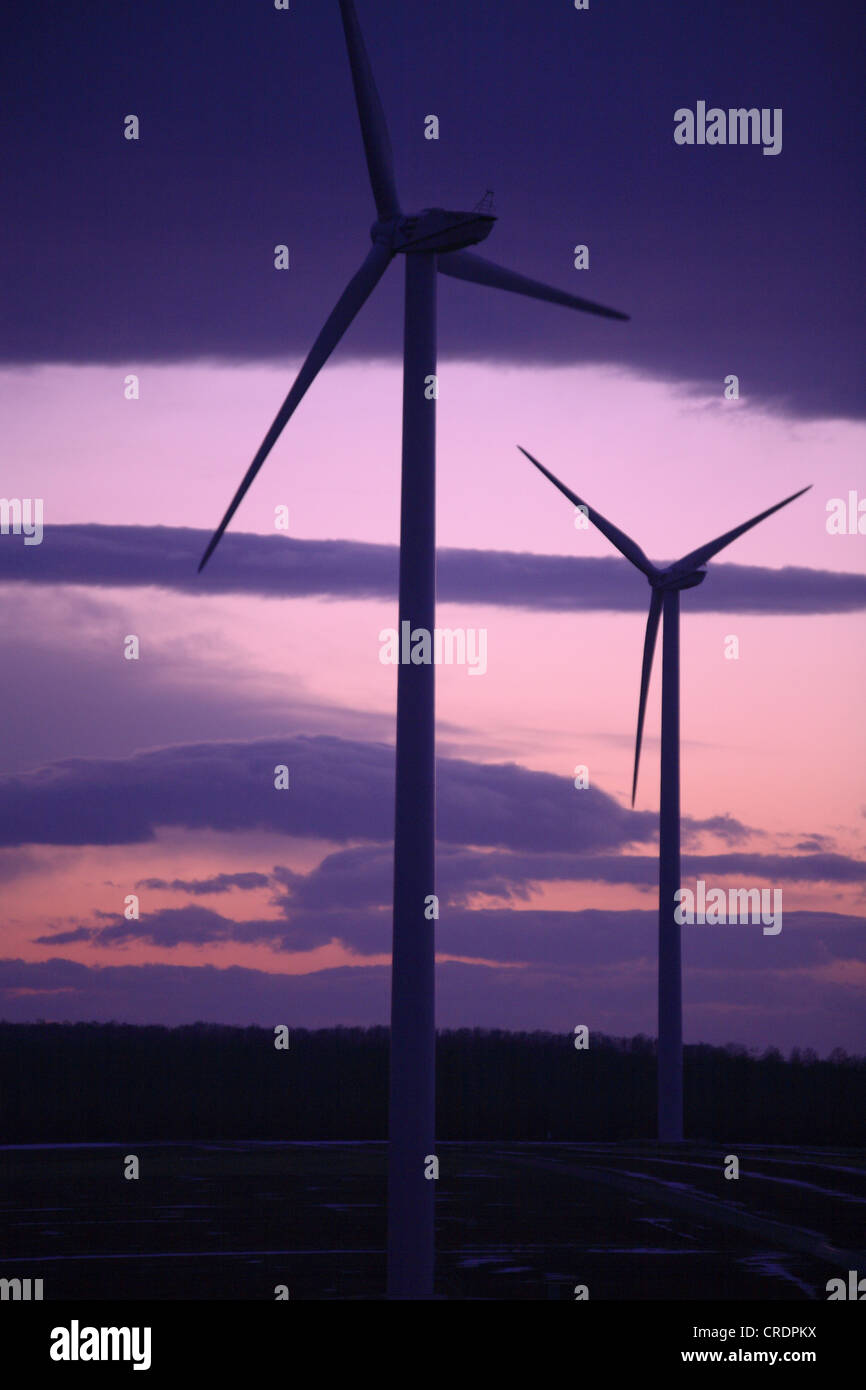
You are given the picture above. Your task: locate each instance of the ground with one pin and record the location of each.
(514, 1221)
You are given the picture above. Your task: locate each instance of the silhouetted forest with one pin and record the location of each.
(116, 1082)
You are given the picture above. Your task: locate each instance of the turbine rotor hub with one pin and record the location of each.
(384, 231)
(432, 229)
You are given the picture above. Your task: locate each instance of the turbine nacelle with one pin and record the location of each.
(432, 229)
(672, 578)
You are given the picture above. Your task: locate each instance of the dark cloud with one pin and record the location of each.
(181, 926)
(271, 566)
(592, 936)
(725, 828)
(361, 877)
(67, 938)
(759, 996)
(813, 842)
(249, 138)
(64, 989)
(201, 887)
(340, 790)
(800, 868)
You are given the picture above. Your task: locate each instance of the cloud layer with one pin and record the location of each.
(167, 557)
(168, 242)
(340, 790)
(767, 1001)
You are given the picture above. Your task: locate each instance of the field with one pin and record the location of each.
(514, 1221)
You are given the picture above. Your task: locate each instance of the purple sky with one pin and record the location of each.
(155, 776)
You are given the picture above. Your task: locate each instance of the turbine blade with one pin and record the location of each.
(374, 131)
(624, 544)
(465, 265)
(354, 297)
(706, 552)
(649, 646)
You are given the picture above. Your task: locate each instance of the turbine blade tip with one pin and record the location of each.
(204, 559)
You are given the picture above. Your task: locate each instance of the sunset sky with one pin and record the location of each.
(155, 257)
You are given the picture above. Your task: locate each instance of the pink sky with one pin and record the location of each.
(775, 739)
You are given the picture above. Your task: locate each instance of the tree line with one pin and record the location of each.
(90, 1082)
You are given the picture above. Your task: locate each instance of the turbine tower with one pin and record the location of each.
(433, 239)
(666, 584)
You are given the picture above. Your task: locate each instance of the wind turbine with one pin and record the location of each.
(666, 584)
(433, 239)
